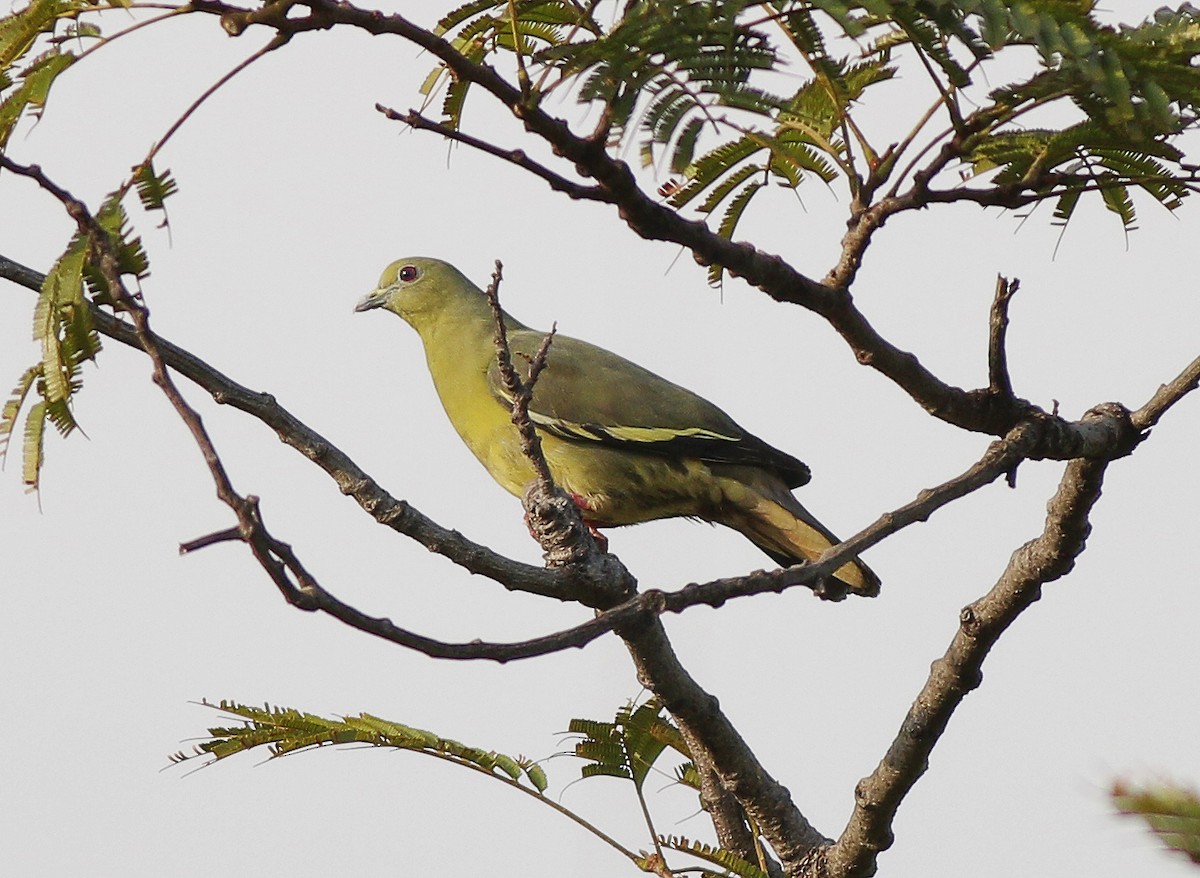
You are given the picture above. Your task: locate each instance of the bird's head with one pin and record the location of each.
(419, 289)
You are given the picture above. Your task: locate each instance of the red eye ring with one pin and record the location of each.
(408, 273)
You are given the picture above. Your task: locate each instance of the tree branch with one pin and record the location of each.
(975, 410)
(553, 517)
(1049, 557)
(520, 391)
(718, 744)
(1166, 396)
(514, 156)
(1002, 456)
(999, 381)
(564, 585)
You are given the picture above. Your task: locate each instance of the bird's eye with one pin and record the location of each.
(408, 273)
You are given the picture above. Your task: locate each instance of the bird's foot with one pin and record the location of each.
(554, 521)
(582, 505)
(601, 539)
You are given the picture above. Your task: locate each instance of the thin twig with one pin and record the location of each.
(554, 518)
(230, 534)
(576, 191)
(520, 391)
(1167, 395)
(279, 39)
(971, 410)
(350, 478)
(999, 381)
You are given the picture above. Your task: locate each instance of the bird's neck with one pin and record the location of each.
(464, 332)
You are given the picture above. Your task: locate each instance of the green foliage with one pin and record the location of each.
(629, 746)
(62, 321)
(1173, 813)
(35, 81)
(154, 189)
(728, 862)
(284, 730)
(697, 82)
(62, 324)
(19, 31)
(520, 27)
(19, 34)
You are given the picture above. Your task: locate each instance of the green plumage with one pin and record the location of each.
(629, 445)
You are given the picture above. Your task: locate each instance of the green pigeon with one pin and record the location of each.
(626, 444)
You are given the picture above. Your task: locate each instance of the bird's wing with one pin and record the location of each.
(588, 394)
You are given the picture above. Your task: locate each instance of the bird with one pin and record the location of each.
(627, 445)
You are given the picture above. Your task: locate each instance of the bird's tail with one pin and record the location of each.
(777, 523)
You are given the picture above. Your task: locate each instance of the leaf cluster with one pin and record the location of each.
(698, 81)
(1172, 812)
(62, 322)
(627, 748)
(284, 730)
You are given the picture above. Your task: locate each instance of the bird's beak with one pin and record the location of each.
(373, 299)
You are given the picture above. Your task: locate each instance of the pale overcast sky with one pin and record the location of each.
(295, 193)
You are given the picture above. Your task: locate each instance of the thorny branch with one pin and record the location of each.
(520, 390)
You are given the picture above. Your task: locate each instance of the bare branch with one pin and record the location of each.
(515, 156)
(999, 381)
(718, 744)
(562, 585)
(553, 517)
(230, 534)
(520, 391)
(1002, 456)
(1167, 395)
(975, 410)
(1044, 559)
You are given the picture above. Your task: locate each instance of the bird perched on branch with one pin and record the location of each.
(627, 445)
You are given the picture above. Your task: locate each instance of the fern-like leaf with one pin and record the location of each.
(629, 746)
(12, 406)
(729, 862)
(713, 165)
(56, 323)
(19, 31)
(729, 223)
(688, 775)
(467, 11)
(1173, 813)
(154, 189)
(286, 730)
(1116, 198)
(36, 80)
(34, 447)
